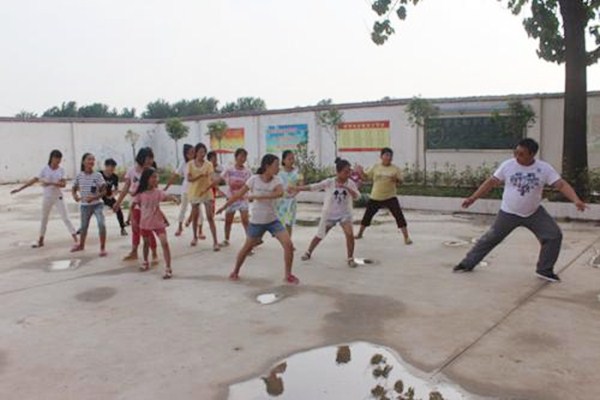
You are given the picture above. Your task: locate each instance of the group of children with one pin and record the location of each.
(265, 201)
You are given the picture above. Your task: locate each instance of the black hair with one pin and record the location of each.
(54, 154)
(267, 160)
(285, 154)
(211, 154)
(83, 159)
(387, 150)
(142, 154)
(530, 145)
(144, 180)
(186, 148)
(201, 146)
(240, 151)
(340, 164)
(110, 163)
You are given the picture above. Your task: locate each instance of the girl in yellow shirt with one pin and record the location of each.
(385, 177)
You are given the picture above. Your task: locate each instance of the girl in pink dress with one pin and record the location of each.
(152, 221)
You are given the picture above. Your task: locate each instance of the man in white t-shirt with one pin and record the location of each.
(524, 179)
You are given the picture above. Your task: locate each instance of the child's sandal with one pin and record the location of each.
(352, 263)
(145, 266)
(306, 256)
(291, 279)
(168, 274)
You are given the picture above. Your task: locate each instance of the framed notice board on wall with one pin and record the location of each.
(479, 133)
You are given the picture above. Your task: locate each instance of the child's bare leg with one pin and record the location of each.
(166, 254)
(244, 216)
(210, 216)
(288, 251)
(195, 210)
(228, 222)
(347, 228)
(242, 254)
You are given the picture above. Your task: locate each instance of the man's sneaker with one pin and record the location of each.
(549, 276)
(462, 268)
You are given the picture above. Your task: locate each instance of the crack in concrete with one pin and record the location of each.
(524, 300)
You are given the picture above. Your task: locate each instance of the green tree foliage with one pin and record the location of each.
(244, 104)
(66, 110)
(330, 118)
(561, 27)
(419, 110)
(162, 109)
(25, 114)
(159, 109)
(217, 130)
(94, 110)
(176, 130)
(203, 106)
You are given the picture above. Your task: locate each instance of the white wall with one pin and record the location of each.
(26, 144)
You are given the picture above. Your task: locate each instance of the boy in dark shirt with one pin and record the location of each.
(112, 188)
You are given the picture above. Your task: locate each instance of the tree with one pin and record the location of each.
(96, 110)
(159, 109)
(132, 137)
(217, 131)
(558, 43)
(127, 112)
(419, 111)
(66, 110)
(330, 119)
(244, 104)
(517, 119)
(25, 115)
(177, 130)
(203, 106)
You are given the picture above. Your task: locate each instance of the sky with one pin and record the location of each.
(127, 53)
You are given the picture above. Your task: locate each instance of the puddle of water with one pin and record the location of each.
(455, 243)
(96, 295)
(357, 370)
(64, 265)
(268, 298)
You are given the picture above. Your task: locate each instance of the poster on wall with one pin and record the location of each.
(233, 139)
(284, 137)
(363, 135)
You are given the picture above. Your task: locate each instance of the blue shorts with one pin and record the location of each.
(256, 231)
(240, 206)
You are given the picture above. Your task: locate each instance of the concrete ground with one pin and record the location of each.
(107, 331)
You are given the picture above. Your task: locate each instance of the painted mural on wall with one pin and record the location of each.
(284, 137)
(363, 135)
(233, 140)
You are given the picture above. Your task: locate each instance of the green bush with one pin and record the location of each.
(308, 167)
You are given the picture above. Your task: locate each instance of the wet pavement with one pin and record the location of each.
(97, 328)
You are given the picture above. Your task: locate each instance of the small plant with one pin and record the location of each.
(330, 119)
(176, 130)
(217, 131)
(132, 137)
(308, 167)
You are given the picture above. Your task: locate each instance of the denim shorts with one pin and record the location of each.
(256, 231)
(241, 205)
